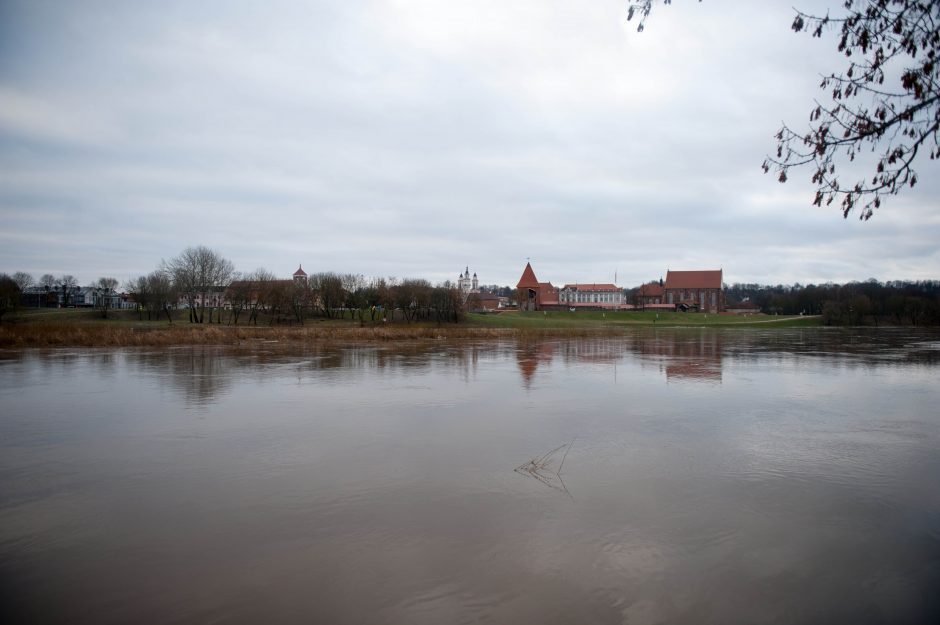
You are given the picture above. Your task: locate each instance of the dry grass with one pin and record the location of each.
(123, 335)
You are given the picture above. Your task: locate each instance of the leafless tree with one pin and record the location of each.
(447, 302)
(23, 280)
(200, 274)
(104, 294)
(885, 103)
(67, 284)
(162, 293)
(327, 290)
(139, 289)
(262, 281)
(300, 299)
(353, 285)
(239, 295)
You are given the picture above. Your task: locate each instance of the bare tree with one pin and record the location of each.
(162, 292)
(447, 302)
(140, 291)
(299, 297)
(353, 284)
(23, 280)
(262, 281)
(327, 290)
(201, 275)
(67, 284)
(886, 101)
(239, 295)
(105, 294)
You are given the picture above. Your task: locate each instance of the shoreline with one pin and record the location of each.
(132, 333)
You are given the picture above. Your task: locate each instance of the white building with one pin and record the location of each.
(592, 295)
(466, 284)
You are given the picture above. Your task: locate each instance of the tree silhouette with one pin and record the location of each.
(886, 102)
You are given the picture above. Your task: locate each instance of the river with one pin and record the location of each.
(659, 476)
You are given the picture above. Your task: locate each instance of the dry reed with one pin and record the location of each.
(106, 335)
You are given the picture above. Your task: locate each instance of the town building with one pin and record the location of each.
(682, 290)
(650, 294)
(591, 295)
(743, 308)
(466, 284)
(484, 302)
(695, 290)
(40, 297)
(250, 292)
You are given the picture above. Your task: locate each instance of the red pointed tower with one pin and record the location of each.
(528, 290)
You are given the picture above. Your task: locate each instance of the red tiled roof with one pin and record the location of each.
(300, 271)
(710, 279)
(528, 279)
(593, 287)
(485, 297)
(653, 289)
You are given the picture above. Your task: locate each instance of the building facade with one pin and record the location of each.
(695, 290)
(682, 290)
(534, 295)
(593, 295)
(650, 294)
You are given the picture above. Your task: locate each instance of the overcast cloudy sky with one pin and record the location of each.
(415, 137)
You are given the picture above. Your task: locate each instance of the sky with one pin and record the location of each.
(414, 138)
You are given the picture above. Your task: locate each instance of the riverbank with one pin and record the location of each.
(84, 328)
(566, 320)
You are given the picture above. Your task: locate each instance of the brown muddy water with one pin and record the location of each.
(738, 476)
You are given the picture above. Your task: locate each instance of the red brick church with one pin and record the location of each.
(695, 290)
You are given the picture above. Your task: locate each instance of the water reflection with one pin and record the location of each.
(716, 477)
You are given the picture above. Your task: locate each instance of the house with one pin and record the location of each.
(40, 297)
(248, 293)
(695, 290)
(743, 308)
(484, 302)
(650, 294)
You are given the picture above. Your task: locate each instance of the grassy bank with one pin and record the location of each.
(71, 327)
(564, 320)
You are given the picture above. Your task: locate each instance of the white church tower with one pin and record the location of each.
(466, 284)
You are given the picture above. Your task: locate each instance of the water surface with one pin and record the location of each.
(740, 476)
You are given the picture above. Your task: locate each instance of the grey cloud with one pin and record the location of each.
(414, 138)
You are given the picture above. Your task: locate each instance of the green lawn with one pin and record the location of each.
(533, 320)
(617, 319)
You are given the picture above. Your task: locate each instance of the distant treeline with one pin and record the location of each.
(206, 285)
(202, 281)
(855, 303)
